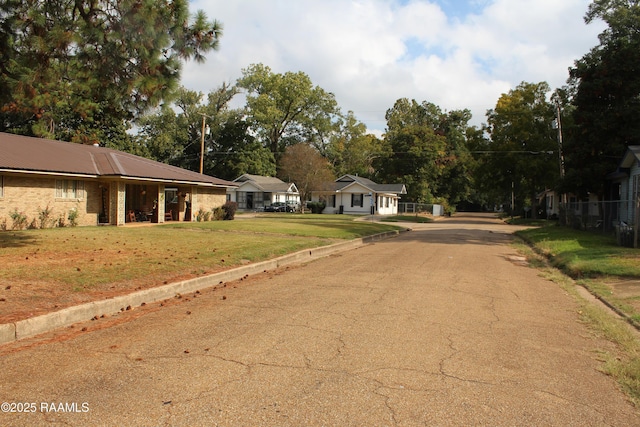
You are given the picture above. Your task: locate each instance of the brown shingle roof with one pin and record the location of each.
(27, 154)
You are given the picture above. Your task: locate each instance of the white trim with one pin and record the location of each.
(30, 172)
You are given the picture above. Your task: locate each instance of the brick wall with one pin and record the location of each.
(30, 195)
(208, 199)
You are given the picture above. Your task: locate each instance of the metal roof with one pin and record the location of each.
(45, 156)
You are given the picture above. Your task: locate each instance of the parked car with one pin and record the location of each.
(279, 207)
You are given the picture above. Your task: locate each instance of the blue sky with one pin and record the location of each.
(369, 53)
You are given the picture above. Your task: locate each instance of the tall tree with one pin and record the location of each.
(234, 151)
(83, 69)
(456, 181)
(351, 150)
(607, 97)
(286, 109)
(412, 152)
(523, 144)
(417, 151)
(303, 165)
(173, 134)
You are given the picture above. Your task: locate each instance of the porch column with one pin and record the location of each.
(117, 213)
(194, 203)
(160, 199)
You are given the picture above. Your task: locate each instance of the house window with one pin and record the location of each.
(356, 200)
(69, 189)
(241, 198)
(1, 186)
(328, 200)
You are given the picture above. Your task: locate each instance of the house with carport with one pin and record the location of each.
(100, 185)
(352, 194)
(254, 192)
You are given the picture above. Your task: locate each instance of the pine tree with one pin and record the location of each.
(81, 70)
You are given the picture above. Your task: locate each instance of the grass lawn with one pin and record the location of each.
(584, 254)
(52, 268)
(84, 257)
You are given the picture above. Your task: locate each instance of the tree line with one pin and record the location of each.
(109, 71)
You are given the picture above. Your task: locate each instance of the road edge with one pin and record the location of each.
(26, 328)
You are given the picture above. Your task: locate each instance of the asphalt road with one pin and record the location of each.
(443, 325)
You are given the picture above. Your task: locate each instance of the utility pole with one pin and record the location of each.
(204, 131)
(558, 125)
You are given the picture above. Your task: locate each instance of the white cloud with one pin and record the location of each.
(369, 53)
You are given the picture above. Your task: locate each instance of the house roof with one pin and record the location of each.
(631, 156)
(267, 183)
(346, 181)
(45, 156)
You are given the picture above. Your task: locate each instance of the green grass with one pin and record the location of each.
(88, 257)
(584, 254)
(408, 218)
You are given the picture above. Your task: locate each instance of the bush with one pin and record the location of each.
(229, 209)
(316, 207)
(19, 220)
(45, 217)
(200, 216)
(73, 217)
(218, 214)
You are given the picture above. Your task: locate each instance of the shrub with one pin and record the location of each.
(218, 214)
(316, 207)
(19, 220)
(44, 215)
(73, 217)
(229, 209)
(200, 216)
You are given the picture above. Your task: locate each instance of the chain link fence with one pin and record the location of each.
(609, 217)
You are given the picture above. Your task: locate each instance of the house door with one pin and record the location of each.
(249, 200)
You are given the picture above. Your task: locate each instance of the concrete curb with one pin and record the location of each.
(48, 322)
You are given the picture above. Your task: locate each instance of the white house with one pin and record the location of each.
(552, 201)
(254, 192)
(352, 194)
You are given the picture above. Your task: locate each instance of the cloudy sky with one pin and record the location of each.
(369, 53)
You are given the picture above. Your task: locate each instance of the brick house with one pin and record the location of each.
(100, 185)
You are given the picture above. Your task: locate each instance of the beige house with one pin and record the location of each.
(96, 185)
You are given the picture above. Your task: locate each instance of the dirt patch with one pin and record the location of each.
(627, 291)
(22, 300)
(625, 288)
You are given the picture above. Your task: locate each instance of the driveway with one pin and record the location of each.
(443, 325)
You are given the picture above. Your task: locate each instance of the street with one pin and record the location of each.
(443, 325)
